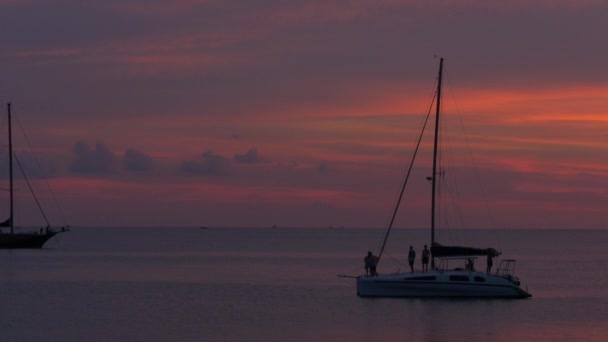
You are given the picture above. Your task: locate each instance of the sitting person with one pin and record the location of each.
(470, 264)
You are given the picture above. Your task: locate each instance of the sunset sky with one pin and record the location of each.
(305, 113)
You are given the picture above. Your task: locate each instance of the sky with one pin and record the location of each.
(305, 113)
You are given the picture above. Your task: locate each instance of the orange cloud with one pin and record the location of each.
(521, 103)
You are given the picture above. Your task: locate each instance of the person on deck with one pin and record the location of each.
(470, 264)
(371, 261)
(425, 259)
(375, 260)
(411, 257)
(490, 263)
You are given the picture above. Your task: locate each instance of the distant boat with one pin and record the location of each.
(204, 227)
(440, 280)
(12, 239)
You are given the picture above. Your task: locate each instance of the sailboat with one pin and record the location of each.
(441, 280)
(12, 239)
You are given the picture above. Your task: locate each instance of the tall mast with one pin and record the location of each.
(435, 152)
(10, 165)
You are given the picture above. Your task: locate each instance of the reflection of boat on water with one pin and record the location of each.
(12, 239)
(441, 280)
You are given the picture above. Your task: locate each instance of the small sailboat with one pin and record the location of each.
(12, 239)
(441, 280)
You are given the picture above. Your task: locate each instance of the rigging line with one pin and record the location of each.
(452, 196)
(407, 176)
(39, 165)
(31, 189)
(399, 263)
(442, 206)
(439, 176)
(473, 162)
(446, 186)
(387, 224)
(454, 186)
(403, 180)
(353, 271)
(349, 274)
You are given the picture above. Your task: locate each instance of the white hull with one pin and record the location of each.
(435, 283)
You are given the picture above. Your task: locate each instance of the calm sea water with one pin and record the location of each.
(136, 284)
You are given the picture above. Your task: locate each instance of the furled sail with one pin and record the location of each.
(441, 251)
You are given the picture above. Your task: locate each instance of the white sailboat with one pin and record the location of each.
(441, 280)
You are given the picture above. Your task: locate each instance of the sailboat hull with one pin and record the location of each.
(435, 283)
(24, 240)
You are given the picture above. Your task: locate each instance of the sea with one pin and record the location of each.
(282, 284)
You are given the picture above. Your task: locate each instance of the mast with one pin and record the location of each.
(10, 165)
(435, 153)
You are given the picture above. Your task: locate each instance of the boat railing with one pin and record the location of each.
(506, 268)
(468, 263)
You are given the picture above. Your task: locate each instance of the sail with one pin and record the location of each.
(6, 223)
(441, 251)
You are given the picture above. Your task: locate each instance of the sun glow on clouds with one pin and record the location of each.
(364, 137)
(293, 103)
(550, 103)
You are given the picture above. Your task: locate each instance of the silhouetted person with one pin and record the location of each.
(426, 254)
(374, 265)
(371, 262)
(470, 265)
(411, 257)
(490, 263)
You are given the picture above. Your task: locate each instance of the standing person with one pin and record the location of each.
(490, 263)
(425, 259)
(374, 264)
(371, 261)
(411, 256)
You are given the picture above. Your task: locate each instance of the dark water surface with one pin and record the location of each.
(187, 284)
